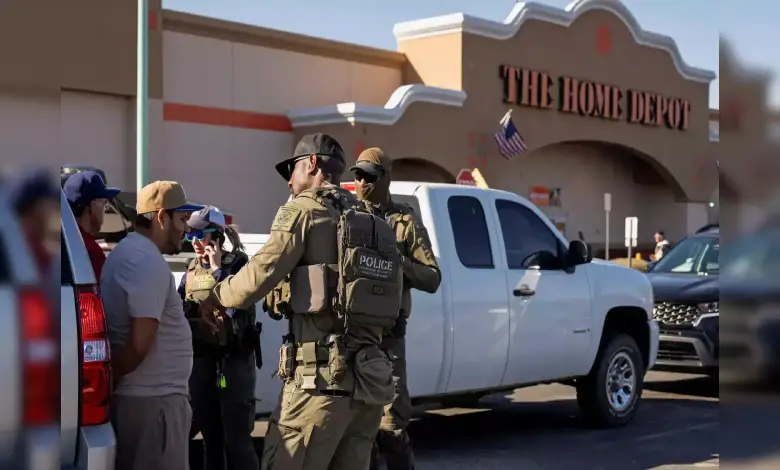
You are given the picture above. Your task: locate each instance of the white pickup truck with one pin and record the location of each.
(518, 305)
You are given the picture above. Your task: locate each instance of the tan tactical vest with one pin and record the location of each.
(347, 306)
(198, 286)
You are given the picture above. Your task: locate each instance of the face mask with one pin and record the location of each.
(377, 192)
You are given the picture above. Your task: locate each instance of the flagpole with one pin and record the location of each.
(142, 95)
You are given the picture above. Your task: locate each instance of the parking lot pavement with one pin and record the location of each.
(536, 428)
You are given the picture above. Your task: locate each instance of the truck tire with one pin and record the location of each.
(609, 396)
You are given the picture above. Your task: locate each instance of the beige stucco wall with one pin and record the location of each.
(214, 72)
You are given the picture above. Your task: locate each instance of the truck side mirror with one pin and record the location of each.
(578, 253)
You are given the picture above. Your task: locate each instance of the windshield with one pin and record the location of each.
(754, 257)
(697, 255)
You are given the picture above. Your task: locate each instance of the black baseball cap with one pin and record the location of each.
(86, 186)
(321, 145)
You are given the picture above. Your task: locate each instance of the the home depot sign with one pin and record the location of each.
(537, 89)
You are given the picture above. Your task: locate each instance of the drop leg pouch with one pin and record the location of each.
(373, 377)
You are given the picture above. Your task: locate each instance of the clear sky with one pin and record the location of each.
(694, 24)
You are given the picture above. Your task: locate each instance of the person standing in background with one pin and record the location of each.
(662, 245)
(222, 384)
(88, 195)
(151, 341)
(34, 200)
(372, 183)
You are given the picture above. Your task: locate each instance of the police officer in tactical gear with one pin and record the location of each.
(330, 269)
(372, 183)
(222, 382)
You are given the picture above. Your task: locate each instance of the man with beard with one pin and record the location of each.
(151, 340)
(336, 378)
(372, 183)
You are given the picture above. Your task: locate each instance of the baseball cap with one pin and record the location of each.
(31, 188)
(209, 215)
(84, 187)
(168, 195)
(322, 145)
(373, 161)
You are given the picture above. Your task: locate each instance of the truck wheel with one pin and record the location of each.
(609, 396)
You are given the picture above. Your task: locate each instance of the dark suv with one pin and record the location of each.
(687, 303)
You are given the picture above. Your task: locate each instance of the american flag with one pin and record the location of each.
(510, 142)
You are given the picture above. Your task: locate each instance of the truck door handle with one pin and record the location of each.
(523, 290)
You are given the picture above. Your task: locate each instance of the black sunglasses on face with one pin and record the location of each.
(293, 162)
(361, 175)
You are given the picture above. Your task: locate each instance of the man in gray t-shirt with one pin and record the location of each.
(151, 340)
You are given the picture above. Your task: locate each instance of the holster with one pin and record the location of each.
(258, 349)
(399, 329)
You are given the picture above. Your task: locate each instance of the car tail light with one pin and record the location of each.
(348, 186)
(40, 361)
(95, 358)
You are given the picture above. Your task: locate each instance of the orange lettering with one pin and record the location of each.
(570, 95)
(510, 75)
(648, 117)
(686, 111)
(547, 84)
(636, 103)
(602, 100)
(673, 114)
(662, 106)
(617, 103)
(587, 99)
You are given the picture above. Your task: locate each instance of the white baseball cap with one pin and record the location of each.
(206, 217)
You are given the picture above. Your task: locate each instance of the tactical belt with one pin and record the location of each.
(308, 356)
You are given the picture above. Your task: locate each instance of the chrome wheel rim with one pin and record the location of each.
(621, 382)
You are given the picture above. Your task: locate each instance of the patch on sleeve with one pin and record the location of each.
(228, 259)
(285, 219)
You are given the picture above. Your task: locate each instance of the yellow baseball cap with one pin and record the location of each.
(167, 195)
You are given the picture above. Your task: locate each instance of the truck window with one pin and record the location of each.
(470, 231)
(525, 234)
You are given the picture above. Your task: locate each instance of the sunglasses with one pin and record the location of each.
(364, 176)
(198, 234)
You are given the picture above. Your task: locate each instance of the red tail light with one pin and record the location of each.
(348, 186)
(40, 359)
(95, 360)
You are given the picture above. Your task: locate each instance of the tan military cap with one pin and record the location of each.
(164, 195)
(373, 161)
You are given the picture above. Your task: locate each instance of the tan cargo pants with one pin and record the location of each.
(392, 440)
(309, 430)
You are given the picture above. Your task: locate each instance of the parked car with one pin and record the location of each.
(29, 434)
(750, 293)
(518, 305)
(87, 437)
(686, 290)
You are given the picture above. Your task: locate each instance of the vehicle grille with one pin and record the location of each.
(668, 313)
(671, 350)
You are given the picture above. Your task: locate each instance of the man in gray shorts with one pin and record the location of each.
(151, 340)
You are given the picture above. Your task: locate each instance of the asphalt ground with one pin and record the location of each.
(678, 426)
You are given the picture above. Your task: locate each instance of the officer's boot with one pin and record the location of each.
(396, 448)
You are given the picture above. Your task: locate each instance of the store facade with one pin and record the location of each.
(603, 106)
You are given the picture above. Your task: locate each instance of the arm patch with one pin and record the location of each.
(285, 219)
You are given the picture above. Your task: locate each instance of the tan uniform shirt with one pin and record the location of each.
(421, 271)
(303, 233)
